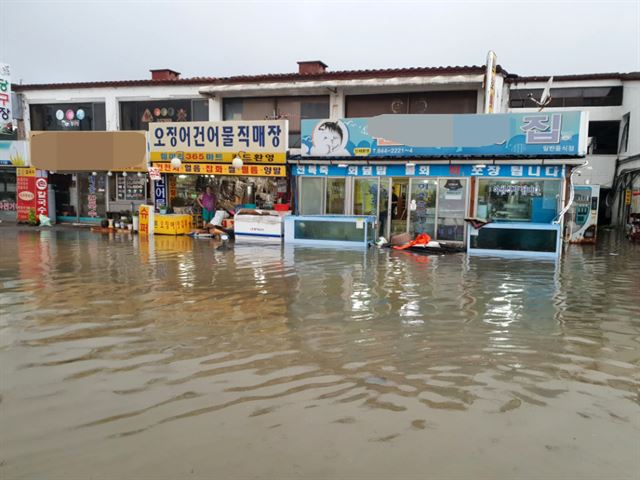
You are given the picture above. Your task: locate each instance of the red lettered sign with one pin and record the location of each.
(42, 196)
(25, 192)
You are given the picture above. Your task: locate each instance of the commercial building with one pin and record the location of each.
(316, 93)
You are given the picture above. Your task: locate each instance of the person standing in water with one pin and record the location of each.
(207, 200)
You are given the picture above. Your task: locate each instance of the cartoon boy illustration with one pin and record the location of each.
(329, 139)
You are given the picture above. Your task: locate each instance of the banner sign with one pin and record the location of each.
(14, 153)
(32, 193)
(147, 221)
(262, 141)
(509, 171)
(6, 112)
(154, 173)
(224, 169)
(538, 134)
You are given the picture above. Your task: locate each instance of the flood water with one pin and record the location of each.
(170, 360)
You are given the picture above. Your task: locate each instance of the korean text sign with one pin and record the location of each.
(6, 114)
(25, 192)
(534, 134)
(263, 141)
(224, 169)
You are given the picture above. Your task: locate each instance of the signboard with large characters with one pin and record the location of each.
(6, 111)
(31, 193)
(261, 141)
(538, 134)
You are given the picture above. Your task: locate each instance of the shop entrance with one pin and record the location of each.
(437, 207)
(393, 206)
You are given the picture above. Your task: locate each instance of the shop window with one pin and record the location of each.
(464, 101)
(365, 196)
(605, 137)
(624, 135)
(502, 200)
(7, 191)
(336, 194)
(311, 193)
(200, 109)
(138, 115)
(568, 97)
(68, 117)
(127, 189)
(92, 190)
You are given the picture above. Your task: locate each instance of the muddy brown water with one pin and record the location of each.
(123, 359)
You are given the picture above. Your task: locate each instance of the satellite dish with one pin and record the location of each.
(545, 98)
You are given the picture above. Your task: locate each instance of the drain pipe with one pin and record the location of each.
(558, 219)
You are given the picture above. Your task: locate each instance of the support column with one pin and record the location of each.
(215, 109)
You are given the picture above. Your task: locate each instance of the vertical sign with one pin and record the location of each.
(42, 194)
(146, 213)
(92, 197)
(25, 192)
(173, 188)
(160, 192)
(490, 82)
(6, 117)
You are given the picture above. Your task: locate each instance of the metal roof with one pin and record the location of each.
(270, 77)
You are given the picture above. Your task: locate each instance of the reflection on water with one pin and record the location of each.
(123, 359)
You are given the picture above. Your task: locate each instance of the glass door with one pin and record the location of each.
(399, 209)
(422, 206)
(452, 196)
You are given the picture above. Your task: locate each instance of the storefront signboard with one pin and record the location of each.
(160, 192)
(172, 224)
(224, 169)
(14, 153)
(262, 141)
(31, 193)
(546, 134)
(92, 197)
(42, 194)
(6, 112)
(146, 214)
(510, 171)
(154, 174)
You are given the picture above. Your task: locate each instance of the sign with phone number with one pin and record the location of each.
(247, 157)
(223, 169)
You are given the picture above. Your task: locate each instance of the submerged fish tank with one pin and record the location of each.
(330, 230)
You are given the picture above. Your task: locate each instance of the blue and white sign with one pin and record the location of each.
(508, 171)
(160, 192)
(538, 134)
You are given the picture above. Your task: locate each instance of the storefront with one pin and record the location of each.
(242, 162)
(433, 199)
(471, 166)
(88, 174)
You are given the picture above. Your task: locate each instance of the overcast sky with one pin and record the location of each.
(81, 40)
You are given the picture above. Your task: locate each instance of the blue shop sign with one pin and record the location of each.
(537, 134)
(160, 192)
(509, 171)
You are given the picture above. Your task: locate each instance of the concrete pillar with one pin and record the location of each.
(215, 109)
(337, 104)
(112, 112)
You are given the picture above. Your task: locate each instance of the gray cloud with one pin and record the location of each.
(55, 41)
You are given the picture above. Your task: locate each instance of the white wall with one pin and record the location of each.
(111, 96)
(631, 104)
